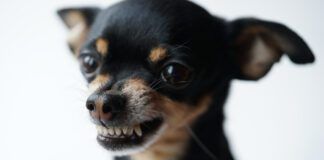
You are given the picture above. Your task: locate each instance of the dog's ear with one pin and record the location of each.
(78, 21)
(256, 45)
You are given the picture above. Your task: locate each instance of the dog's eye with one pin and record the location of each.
(176, 75)
(89, 64)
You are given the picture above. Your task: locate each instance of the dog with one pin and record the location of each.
(159, 72)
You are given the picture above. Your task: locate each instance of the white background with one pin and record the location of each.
(42, 94)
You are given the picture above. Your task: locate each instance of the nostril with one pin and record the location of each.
(106, 108)
(114, 104)
(120, 103)
(90, 106)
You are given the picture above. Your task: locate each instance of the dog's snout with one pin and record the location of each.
(103, 107)
(114, 103)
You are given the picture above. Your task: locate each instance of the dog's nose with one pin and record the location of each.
(103, 107)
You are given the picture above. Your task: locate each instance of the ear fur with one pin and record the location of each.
(78, 21)
(256, 45)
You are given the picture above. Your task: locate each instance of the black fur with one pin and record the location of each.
(195, 38)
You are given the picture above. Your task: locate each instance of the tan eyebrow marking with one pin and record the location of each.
(102, 46)
(157, 54)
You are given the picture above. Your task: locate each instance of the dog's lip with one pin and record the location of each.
(136, 135)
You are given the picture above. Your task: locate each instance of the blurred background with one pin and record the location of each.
(42, 93)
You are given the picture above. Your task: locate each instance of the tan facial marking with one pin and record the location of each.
(157, 54)
(172, 143)
(102, 46)
(164, 149)
(136, 84)
(99, 81)
(139, 95)
(181, 114)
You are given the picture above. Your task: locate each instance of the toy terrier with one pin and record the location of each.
(159, 72)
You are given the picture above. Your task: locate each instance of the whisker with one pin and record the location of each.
(156, 84)
(154, 81)
(181, 46)
(161, 87)
(197, 140)
(200, 143)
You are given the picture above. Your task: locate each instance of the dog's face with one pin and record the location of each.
(153, 66)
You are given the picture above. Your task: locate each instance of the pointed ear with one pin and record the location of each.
(78, 21)
(256, 45)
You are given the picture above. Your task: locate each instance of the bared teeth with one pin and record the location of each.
(117, 131)
(138, 130)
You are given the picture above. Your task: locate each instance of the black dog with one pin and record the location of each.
(159, 72)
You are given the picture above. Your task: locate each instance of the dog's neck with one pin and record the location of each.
(170, 146)
(209, 130)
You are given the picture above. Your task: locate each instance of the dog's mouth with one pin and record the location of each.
(119, 138)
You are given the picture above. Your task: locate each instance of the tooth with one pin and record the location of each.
(129, 131)
(99, 129)
(124, 130)
(111, 131)
(117, 131)
(104, 131)
(101, 138)
(138, 130)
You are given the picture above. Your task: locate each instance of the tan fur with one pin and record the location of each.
(157, 54)
(172, 143)
(169, 146)
(180, 114)
(139, 97)
(99, 81)
(136, 84)
(102, 46)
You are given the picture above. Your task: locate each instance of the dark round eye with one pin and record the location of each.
(176, 75)
(89, 64)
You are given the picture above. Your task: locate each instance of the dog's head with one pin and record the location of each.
(154, 66)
